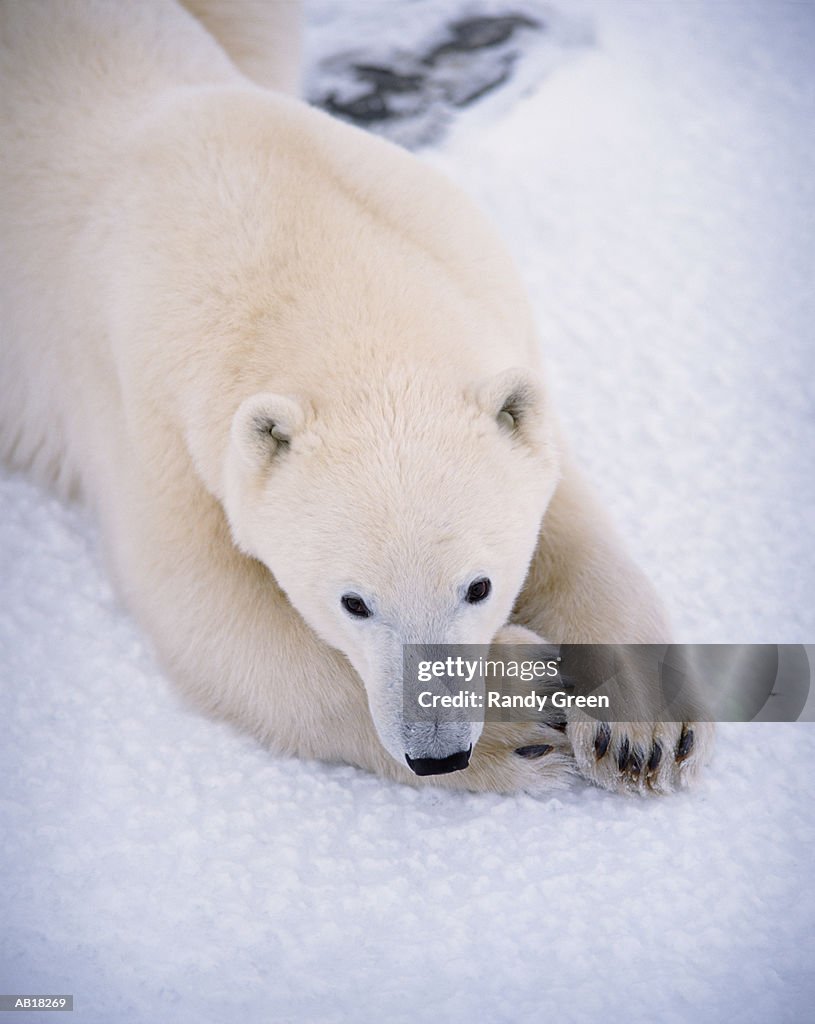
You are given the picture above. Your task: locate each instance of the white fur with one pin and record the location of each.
(272, 353)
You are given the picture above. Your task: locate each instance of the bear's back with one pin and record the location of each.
(74, 80)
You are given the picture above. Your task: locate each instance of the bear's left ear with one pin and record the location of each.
(514, 398)
(263, 427)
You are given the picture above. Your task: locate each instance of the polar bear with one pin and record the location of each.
(294, 373)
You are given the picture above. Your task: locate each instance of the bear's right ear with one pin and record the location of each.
(514, 398)
(263, 428)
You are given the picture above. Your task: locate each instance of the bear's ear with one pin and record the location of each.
(514, 398)
(264, 425)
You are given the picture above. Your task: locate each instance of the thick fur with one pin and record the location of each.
(283, 360)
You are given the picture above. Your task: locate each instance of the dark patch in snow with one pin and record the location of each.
(411, 95)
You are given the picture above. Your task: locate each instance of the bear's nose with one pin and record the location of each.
(440, 765)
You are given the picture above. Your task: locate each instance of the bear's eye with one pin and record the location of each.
(355, 606)
(479, 590)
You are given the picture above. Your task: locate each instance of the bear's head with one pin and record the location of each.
(402, 514)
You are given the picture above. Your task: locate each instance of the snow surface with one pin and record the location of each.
(658, 190)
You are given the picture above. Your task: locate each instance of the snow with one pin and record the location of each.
(658, 189)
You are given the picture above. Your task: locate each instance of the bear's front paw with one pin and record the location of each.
(641, 757)
(520, 758)
(532, 755)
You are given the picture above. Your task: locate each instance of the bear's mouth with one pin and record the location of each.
(440, 765)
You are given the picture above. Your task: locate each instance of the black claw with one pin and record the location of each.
(622, 757)
(635, 761)
(656, 757)
(601, 741)
(557, 723)
(685, 744)
(535, 750)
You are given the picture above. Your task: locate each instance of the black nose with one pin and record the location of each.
(440, 765)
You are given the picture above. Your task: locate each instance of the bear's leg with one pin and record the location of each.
(583, 588)
(224, 630)
(262, 37)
